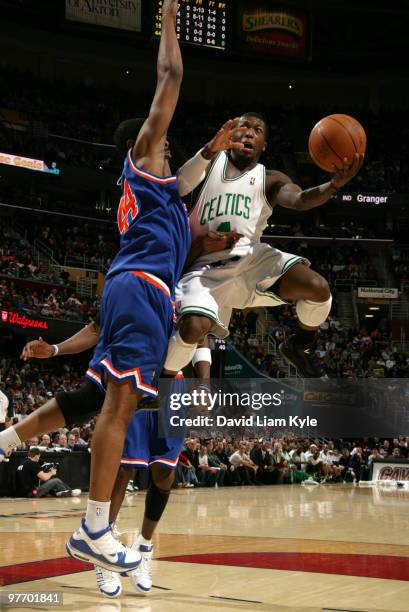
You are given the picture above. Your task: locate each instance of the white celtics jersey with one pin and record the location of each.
(236, 204)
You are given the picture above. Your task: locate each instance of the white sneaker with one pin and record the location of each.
(141, 578)
(109, 583)
(75, 492)
(102, 549)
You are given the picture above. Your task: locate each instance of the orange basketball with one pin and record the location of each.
(334, 138)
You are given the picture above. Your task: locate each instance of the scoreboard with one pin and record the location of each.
(199, 22)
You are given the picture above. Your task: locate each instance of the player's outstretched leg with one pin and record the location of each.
(313, 300)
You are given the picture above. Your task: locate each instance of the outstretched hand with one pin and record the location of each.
(37, 349)
(342, 177)
(220, 241)
(224, 137)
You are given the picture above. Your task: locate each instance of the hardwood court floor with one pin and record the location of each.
(280, 548)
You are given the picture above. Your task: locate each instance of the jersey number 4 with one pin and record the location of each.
(128, 208)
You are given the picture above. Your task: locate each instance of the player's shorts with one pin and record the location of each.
(143, 447)
(137, 320)
(240, 282)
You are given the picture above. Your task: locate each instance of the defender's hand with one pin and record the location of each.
(342, 177)
(220, 241)
(37, 349)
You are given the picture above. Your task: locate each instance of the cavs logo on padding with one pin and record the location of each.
(4, 315)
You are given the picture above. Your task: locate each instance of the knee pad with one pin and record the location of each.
(80, 405)
(179, 354)
(311, 313)
(202, 354)
(155, 502)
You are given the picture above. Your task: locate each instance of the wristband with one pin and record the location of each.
(55, 350)
(207, 153)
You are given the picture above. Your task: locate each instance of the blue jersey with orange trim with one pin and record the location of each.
(153, 223)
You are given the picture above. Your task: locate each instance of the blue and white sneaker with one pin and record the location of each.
(102, 549)
(141, 578)
(109, 583)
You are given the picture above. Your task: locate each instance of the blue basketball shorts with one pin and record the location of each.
(137, 320)
(143, 447)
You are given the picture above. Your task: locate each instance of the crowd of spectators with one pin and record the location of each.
(68, 241)
(47, 301)
(281, 460)
(218, 461)
(53, 107)
(340, 352)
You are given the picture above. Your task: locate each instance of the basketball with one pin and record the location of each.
(335, 138)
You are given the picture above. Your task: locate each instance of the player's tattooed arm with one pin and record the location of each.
(83, 340)
(149, 147)
(289, 195)
(281, 191)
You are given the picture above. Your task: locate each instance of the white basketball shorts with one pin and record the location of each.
(214, 289)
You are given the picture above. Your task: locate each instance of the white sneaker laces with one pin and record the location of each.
(104, 576)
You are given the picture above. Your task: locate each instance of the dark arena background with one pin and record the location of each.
(324, 526)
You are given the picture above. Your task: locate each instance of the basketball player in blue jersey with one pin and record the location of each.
(137, 308)
(143, 446)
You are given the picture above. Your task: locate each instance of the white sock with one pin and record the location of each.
(141, 540)
(9, 439)
(97, 516)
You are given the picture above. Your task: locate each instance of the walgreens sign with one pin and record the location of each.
(13, 318)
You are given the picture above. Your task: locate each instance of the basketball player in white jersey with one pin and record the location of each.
(239, 194)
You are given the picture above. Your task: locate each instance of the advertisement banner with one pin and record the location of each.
(395, 469)
(237, 366)
(383, 293)
(33, 325)
(268, 30)
(119, 14)
(27, 163)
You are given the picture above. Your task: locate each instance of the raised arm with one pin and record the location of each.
(148, 151)
(283, 192)
(194, 171)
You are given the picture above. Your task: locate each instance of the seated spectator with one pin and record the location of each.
(214, 461)
(209, 476)
(260, 456)
(30, 473)
(185, 472)
(245, 467)
(280, 464)
(192, 453)
(45, 441)
(314, 464)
